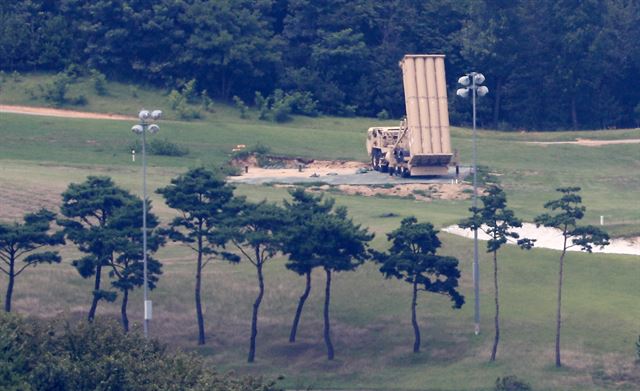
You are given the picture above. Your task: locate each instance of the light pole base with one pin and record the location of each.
(476, 329)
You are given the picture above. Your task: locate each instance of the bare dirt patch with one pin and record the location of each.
(49, 112)
(585, 142)
(419, 191)
(280, 167)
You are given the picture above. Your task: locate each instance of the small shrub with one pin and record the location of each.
(186, 112)
(511, 383)
(206, 102)
(348, 110)
(303, 103)
(164, 147)
(262, 104)
(281, 110)
(240, 105)
(79, 100)
(56, 90)
(159, 147)
(15, 75)
(99, 82)
(175, 99)
(73, 72)
(189, 91)
(133, 91)
(260, 149)
(229, 170)
(383, 115)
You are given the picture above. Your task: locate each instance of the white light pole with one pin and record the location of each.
(142, 128)
(472, 82)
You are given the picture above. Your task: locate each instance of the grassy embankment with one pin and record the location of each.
(39, 156)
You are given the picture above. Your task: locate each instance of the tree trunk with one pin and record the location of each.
(496, 104)
(558, 312)
(574, 113)
(254, 317)
(414, 320)
(496, 339)
(327, 325)
(12, 277)
(201, 339)
(123, 310)
(96, 298)
(303, 299)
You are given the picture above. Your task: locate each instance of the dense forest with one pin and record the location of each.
(558, 64)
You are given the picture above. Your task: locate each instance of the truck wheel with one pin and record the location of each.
(406, 173)
(391, 171)
(384, 168)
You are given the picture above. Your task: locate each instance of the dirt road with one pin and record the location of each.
(49, 112)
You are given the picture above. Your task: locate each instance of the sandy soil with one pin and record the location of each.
(290, 168)
(421, 191)
(49, 112)
(587, 142)
(552, 238)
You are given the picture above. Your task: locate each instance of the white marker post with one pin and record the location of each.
(133, 155)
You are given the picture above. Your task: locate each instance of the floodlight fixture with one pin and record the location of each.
(464, 80)
(462, 92)
(153, 128)
(144, 115)
(482, 91)
(478, 78)
(137, 129)
(156, 114)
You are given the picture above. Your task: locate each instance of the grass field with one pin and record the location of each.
(39, 156)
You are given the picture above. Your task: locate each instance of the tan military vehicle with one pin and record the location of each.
(421, 144)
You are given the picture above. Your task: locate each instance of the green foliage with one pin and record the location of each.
(241, 106)
(99, 82)
(55, 91)
(164, 147)
(495, 220)
(511, 383)
(133, 91)
(383, 115)
(19, 241)
(62, 356)
(412, 258)
(342, 57)
(181, 101)
(189, 91)
(257, 231)
(103, 221)
(203, 200)
(280, 105)
(262, 104)
(206, 102)
(302, 209)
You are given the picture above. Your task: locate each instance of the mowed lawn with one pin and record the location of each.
(39, 156)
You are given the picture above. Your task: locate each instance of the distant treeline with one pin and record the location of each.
(549, 64)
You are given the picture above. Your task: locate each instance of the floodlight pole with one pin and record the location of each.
(476, 266)
(147, 315)
(472, 81)
(142, 128)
